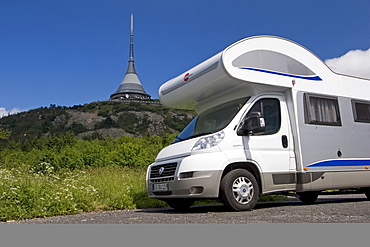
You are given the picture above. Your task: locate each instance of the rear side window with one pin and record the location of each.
(361, 111)
(322, 110)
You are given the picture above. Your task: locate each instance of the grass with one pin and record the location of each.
(42, 192)
(34, 193)
(121, 188)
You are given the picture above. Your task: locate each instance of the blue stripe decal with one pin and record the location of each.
(341, 163)
(311, 78)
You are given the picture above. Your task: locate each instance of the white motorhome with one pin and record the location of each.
(272, 118)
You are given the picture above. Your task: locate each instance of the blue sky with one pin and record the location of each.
(71, 52)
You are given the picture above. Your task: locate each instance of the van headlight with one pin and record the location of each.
(209, 141)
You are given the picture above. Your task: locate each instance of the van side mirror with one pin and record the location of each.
(252, 125)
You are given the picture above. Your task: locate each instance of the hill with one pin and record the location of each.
(97, 120)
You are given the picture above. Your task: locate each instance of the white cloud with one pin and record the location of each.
(355, 63)
(4, 112)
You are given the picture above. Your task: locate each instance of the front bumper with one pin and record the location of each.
(195, 176)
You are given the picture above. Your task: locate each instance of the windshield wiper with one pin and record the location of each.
(179, 138)
(202, 134)
(190, 137)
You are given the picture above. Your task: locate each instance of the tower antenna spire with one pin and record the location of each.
(132, 38)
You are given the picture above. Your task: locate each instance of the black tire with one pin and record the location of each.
(308, 197)
(180, 204)
(239, 190)
(367, 193)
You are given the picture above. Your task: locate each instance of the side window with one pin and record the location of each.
(270, 110)
(361, 111)
(322, 110)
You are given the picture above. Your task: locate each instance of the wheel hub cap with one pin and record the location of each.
(243, 190)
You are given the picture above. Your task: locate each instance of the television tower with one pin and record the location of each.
(130, 87)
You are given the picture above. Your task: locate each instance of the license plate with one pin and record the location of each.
(159, 187)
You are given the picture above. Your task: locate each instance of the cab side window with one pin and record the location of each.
(270, 111)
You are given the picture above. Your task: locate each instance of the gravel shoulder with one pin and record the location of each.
(349, 208)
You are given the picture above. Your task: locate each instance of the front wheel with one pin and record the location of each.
(239, 190)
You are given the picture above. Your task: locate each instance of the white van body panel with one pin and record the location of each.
(301, 155)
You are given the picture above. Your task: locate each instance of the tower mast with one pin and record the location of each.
(131, 67)
(132, 38)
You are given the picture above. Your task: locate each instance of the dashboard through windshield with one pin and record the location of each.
(212, 120)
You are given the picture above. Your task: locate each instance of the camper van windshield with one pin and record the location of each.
(212, 120)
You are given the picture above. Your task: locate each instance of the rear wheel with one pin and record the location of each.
(239, 190)
(180, 204)
(308, 197)
(367, 193)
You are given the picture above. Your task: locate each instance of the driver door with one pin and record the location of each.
(272, 149)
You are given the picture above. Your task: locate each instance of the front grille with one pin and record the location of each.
(168, 170)
(161, 180)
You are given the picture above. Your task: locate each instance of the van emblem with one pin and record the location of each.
(161, 170)
(186, 77)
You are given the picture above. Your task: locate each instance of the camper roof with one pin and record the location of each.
(249, 66)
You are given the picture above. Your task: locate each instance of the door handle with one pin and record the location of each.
(284, 141)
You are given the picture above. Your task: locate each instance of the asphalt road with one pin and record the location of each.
(349, 208)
